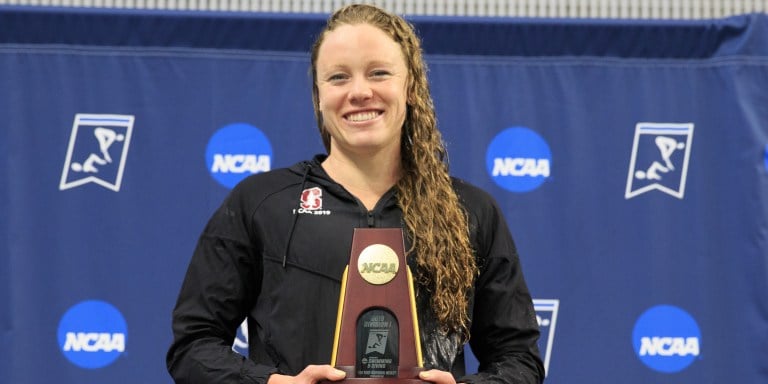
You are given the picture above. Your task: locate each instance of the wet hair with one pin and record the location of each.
(436, 222)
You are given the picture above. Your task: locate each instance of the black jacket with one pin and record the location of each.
(275, 251)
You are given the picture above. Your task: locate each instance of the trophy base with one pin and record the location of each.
(411, 376)
(378, 380)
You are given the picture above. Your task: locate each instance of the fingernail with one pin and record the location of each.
(339, 373)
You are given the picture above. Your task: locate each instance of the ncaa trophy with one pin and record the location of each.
(377, 330)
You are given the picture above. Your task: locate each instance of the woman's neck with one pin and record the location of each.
(367, 178)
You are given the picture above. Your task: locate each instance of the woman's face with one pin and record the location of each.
(361, 81)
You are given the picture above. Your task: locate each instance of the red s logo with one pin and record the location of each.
(312, 198)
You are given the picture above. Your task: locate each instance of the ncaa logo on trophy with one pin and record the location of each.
(377, 336)
(378, 264)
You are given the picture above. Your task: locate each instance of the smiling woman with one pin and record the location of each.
(370, 43)
(269, 256)
(361, 79)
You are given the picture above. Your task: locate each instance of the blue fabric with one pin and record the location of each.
(605, 246)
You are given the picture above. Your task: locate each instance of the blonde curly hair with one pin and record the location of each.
(439, 233)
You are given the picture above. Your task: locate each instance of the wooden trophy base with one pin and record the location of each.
(377, 335)
(403, 379)
(379, 380)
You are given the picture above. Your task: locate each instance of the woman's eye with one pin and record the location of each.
(337, 77)
(380, 73)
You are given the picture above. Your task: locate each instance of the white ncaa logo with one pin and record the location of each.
(660, 156)
(98, 147)
(546, 316)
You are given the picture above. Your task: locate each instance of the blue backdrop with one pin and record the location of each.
(630, 159)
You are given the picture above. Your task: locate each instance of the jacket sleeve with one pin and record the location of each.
(504, 330)
(219, 288)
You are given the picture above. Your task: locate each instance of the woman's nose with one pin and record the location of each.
(360, 90)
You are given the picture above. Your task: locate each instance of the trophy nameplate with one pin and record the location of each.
(377, 334)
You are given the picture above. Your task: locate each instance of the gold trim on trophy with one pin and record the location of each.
(338, 315)
(416, 334)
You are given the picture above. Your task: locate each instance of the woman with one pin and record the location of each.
(275, 251)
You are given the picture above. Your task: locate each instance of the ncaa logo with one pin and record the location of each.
(660, 156)
(377, 342)
(98, 147)
(92, 334)
(666, 339)
(546, 316)
(240, 344)
(518, 159)
(237, 151)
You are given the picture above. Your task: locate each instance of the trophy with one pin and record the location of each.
(377, 330)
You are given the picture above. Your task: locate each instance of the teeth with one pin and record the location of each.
(362, 116)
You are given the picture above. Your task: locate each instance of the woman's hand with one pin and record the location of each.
(437, 376)
(312, 374)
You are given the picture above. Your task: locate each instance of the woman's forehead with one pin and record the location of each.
(359, 41)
